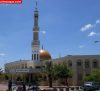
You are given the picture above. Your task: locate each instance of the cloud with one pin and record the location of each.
(81, 46)
(90, 26)
(97, 21)
(93, 34)
(2, 54)
(43, 32)
(87, 27)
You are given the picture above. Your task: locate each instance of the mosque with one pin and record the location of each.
(81, 65)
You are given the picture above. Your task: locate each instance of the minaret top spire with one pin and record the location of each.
(36, 5)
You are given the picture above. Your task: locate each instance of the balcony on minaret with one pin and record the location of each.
(36, 43)
(36, 13)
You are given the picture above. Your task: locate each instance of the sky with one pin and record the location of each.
(67, 27)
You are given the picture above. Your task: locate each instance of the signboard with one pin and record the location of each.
(25, 70)
(22, 70)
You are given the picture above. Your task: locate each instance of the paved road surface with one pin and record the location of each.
(3, 87)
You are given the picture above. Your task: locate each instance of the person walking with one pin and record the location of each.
(9, 85)
(24, 87)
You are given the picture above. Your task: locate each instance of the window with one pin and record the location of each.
(34, 56)
(22, 66)
(25, 65)
(95, 63)
(37, 56)
(87, 64)
(69, 63)
(79, 63)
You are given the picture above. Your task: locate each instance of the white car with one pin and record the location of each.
(14, 87)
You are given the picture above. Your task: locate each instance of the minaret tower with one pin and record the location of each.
(36, 42)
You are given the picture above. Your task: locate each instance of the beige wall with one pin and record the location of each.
(21, 64)
(81, 65)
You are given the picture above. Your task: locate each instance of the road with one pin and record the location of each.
(3, 87)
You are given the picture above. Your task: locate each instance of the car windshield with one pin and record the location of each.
(88, 83)
(13, 84)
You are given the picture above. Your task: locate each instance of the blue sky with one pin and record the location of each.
(67, 27)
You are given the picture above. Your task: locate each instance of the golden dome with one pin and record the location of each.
(44, 55)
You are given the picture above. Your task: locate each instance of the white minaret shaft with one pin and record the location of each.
(36, 42)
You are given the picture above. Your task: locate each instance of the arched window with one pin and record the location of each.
(79, 62)
(87, 63)
(37, 56)
(25, 65)
(95, 63)
(34, 56)
(22, 66)
(69, 63)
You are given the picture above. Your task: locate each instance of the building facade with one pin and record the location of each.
(81, 66)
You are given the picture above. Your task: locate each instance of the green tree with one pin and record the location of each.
(1, 71)
(7, 76)
(94, 76)
(49, 72)
(61, 71)
(57, 71)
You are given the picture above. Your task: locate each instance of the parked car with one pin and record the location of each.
(33, 87)
(90, 86)
(14, 87)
